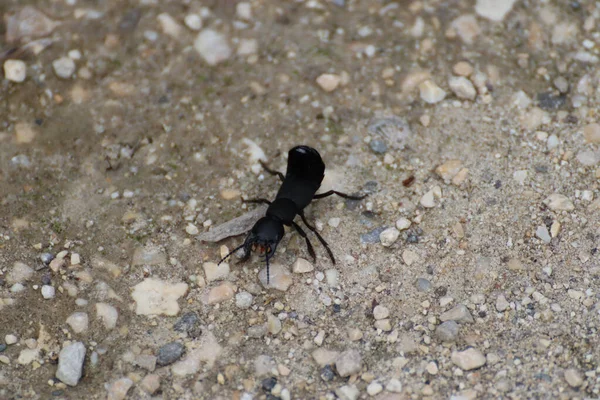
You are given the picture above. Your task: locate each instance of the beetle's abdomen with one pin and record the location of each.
(283, 209)
(305, 163)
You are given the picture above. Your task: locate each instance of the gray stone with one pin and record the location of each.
(372, 237)
(460, 313)
(378, 146)
(243, 300)
(190, 324)
(169, 353)
(447, 331)
(423, 285)
(19, 273)
(347, 392)
(348, 363)
(501, 303)
(64, 67)
(468, 359)
(70, 363)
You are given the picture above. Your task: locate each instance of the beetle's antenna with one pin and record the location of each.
(231, 252)
(268, 273)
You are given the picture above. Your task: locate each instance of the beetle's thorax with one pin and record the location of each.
(282, 209)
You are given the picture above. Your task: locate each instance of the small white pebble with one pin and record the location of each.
(191, 229)
(74, 54)
(193, 21)
(75, 259)
(381, 312)
(10, 339)
(403, 224)
(374, 388)
(48, 291)
(15, 70)
(389, 236)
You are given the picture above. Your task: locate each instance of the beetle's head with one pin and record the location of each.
(264, 237)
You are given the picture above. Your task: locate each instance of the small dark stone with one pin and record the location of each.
(39, 121)
(2, 282)
(268, 384)
(571, 119)
(327, 373)
(370, 186)
(272, 397)
(369, 214)
(441, 291)
(337, 308)
(2, 347)
(498, 184)
(378, 146)
(549, 101)
(412, 238)
(543, 377)
(46, 279)
(46, 258)
(184, 196)
(430, 269)
(163, 99)
(130, 20)
(541, 169)
(189, 323)
(482, 314)
(372, 237)
(57, 393)
(169, 353)
(575, 5)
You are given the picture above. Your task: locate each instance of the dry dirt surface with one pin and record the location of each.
(130, 131)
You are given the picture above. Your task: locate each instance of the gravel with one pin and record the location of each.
(124, 154)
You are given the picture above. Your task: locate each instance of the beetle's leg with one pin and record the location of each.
(344, 195)
(261, 201)
(323, 242)
(272, 171)
(311, 250)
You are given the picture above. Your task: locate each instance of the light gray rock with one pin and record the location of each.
(460, 313)
(70, 363)
(348, 363)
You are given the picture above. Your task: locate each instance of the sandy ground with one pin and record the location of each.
(129, 129)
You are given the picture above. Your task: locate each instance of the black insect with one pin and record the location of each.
(305, 172)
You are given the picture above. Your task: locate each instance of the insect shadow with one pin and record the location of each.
(303, 177)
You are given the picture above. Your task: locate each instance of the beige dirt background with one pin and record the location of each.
(128, 128)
